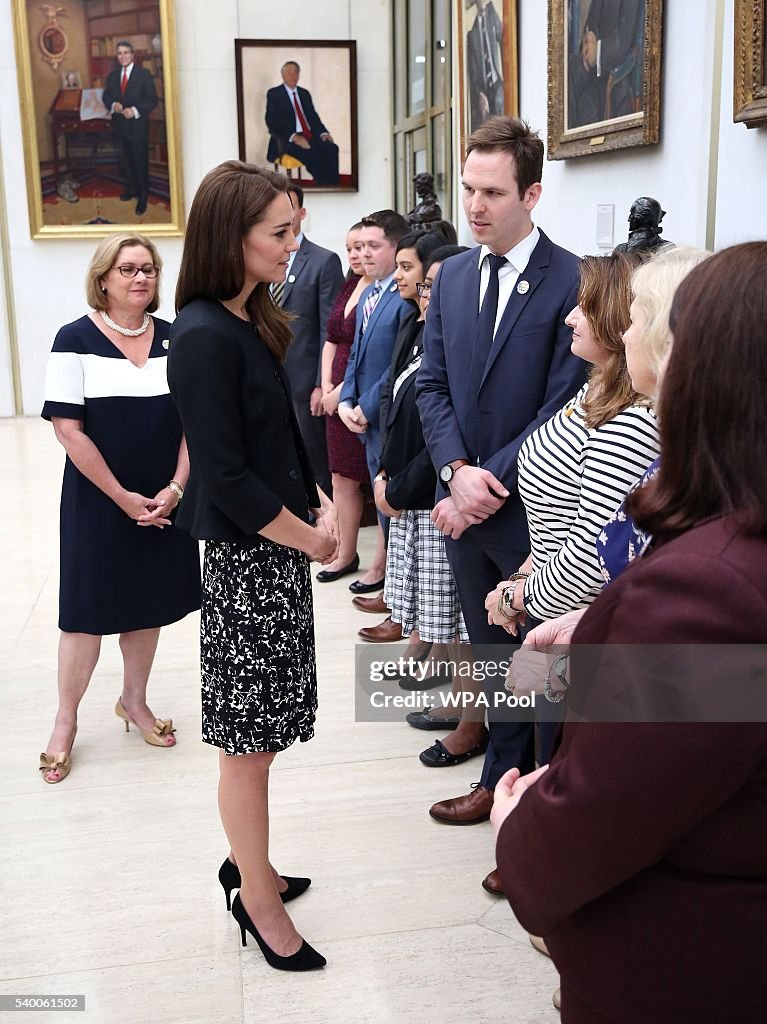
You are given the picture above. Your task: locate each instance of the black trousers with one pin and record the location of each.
(478, 564)
(315, 442)
(134, 151)
(321, 160)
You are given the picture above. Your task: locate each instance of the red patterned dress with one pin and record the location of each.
(346, 455)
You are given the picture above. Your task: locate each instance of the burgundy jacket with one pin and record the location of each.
(641, 855)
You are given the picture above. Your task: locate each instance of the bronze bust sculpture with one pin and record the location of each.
(426, 212)
(644, 227)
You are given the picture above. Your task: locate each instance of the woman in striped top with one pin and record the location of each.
(579, 465)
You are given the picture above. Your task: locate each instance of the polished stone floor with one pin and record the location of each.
(108, 880)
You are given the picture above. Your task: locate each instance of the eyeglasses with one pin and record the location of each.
(423, 288)
(148, 270)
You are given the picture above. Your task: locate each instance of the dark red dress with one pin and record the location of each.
(345, 453)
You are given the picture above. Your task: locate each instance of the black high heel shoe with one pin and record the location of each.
(229, 877)
(306, 959)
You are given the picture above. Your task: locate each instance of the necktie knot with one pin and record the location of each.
(496, 262)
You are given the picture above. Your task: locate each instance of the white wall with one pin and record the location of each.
(741, 207)
(48, 274)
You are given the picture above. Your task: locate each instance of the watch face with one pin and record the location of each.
(446, 474)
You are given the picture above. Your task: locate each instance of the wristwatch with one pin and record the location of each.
(448, 471)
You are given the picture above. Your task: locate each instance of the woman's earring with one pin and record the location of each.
(103, 290)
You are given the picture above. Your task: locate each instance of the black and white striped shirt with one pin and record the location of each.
(571, 480)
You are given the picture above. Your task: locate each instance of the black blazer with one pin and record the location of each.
(233, 398)
(404, 455)
(140, 93)
(314, 280)
(281, 118)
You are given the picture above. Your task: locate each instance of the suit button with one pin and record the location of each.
(293, 474)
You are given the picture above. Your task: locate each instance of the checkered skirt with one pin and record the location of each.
(420, 589)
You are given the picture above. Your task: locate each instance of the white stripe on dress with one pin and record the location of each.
(72, 377)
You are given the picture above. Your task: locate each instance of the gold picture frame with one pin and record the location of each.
(604, 67)
(80, 165)
(750, 92)
(468, 51)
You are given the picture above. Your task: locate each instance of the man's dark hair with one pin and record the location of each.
(125, 43)
(514, 137)
(297, 191)
(295, 64)
(393, 224)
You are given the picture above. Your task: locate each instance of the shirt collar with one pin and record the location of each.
(289, 90)
(520, 255)
(384, 284)
(128, 68)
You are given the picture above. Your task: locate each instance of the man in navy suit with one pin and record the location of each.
(380, 312)
(295, 128)
(496, 365)
(312, 282)
(130, 97)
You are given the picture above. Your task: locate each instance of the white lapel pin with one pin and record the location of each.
(291, 279)
(523, 287)
(165, 343)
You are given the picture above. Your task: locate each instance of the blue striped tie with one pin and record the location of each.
(370, 304)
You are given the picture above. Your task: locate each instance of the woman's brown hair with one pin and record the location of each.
(605, 298)
(230, 200)
(713, 425)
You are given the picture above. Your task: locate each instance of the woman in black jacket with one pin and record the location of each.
(420, 589)
(251, 497)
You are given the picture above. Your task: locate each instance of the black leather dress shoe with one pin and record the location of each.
(358, 587)
(328, 576)
(126, 196)
(140, 207)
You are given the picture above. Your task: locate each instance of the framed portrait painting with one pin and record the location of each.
(750, 95)
(488, 66)
(97, 82)
(297, 109)
(604, 75)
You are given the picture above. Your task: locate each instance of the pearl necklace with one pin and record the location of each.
(125, 330)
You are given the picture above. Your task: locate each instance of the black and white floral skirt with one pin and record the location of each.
(259, 680)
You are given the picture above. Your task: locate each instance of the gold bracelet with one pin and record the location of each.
(177, 489)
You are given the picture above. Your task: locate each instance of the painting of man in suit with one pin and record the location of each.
(484, 63)
(296, 130)
(130, 97)
(605, 42)
(305, 126)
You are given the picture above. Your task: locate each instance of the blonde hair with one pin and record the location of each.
(654, 285)
(105, 257)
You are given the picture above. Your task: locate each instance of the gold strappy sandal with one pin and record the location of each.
(162, 727)
(60, 763)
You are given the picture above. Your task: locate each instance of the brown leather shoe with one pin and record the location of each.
(492, 883)
(386, 632)
(464, 810)
(376, 604)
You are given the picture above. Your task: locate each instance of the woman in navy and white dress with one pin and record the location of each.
(124, 569)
